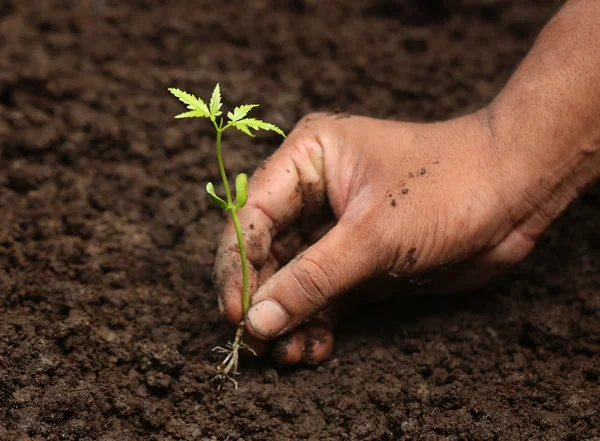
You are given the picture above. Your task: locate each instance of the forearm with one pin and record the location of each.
(546, 121)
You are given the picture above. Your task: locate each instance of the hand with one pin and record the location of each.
(452, 204)
(405, 200)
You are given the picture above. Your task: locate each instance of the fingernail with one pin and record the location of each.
(267, 318)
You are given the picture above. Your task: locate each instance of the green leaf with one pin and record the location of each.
(240, 112)
(193, 103)
(243, 128)
(241, 190)
(191, 114)
(215, 102)
(252, 123)
(210, 189)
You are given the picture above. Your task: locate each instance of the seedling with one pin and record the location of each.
(198, 109)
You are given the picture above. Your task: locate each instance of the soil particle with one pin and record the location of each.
(404, 190)
(393, 202)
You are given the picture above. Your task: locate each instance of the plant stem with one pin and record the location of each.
(236, 223)
(222, 167)
(240, 238)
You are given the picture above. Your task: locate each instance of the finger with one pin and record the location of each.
(275, 199)
(319, 338)
(227, 275)
(318, 344)
(289, 349)
(291, 181)
(312, 342)
(339, 261)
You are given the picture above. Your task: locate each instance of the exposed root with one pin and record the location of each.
(229, 366)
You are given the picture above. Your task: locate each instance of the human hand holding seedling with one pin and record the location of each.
(238, 119)
(442, 207)
(346, 199)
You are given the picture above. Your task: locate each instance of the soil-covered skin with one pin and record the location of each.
(107, 312)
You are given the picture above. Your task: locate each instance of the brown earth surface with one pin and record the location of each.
(107, 312)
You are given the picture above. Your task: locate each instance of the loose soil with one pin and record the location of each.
(107, 310)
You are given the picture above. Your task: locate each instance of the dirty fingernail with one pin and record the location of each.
(267, 318)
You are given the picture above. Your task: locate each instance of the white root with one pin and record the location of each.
(229, 366)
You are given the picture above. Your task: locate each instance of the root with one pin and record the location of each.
(229, 366)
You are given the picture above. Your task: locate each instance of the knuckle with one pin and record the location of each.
(308, 159)
(313, 280)
(316, 130)
(307, 149)
(310, 118)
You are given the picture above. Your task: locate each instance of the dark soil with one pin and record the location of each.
(106, 238)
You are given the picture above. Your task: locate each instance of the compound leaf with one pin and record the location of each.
(193, 103)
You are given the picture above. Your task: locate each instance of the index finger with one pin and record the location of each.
(277, 195)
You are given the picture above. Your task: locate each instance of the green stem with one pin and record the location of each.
(240, 238)
(222, 167)
(236, 223)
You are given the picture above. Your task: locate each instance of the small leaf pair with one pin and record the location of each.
(241, 193)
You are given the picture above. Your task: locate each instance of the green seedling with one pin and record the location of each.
(238, 119)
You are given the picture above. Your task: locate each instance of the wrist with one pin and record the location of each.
(552, 141)
(545, 157)
(546, 121)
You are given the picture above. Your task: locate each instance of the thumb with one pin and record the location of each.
(336, 263)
